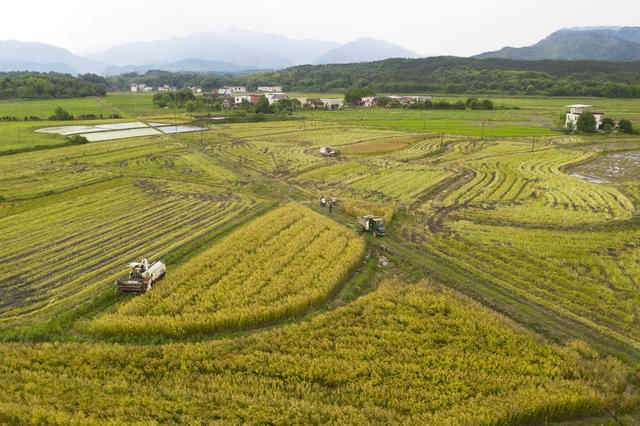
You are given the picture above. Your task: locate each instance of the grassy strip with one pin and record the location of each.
(70, 142)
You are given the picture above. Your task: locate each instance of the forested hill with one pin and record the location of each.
(465, 75)
(30, 85)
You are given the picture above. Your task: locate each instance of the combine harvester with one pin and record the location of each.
(327, 151)
(141, 277)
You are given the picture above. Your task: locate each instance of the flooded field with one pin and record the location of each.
(611, 167)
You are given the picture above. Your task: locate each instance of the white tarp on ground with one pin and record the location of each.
(120, 134)
(180, 129)
(69, 130)
(122, 126)
(74, 130)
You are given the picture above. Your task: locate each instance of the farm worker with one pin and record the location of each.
(333, 200)
(322, 201)
(330, 207)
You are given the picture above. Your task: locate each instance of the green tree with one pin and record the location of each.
(608, 124)
(625, 126)
(355, 94)
(487, 104)
(586, 123)
(263, 105)
(60, 114)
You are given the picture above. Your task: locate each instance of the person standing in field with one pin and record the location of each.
(322, 201)
(333, 200)
(330, 207)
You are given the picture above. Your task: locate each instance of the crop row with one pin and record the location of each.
(279, 265)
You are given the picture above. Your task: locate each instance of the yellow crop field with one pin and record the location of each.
(405, 354)
(278, 266)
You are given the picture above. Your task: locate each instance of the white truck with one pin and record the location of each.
(142, 276)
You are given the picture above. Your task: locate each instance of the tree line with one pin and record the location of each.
(437, 75)
(32, 85)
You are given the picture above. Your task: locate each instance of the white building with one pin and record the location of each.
(269, 88)
(368, 101)
(275, 97)
(332, 102)
(230, 90)
(134, 88)
(576, 110)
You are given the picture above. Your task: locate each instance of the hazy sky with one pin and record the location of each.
(453, 27)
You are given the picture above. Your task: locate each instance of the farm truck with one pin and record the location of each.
(373, 224)
(142, 276)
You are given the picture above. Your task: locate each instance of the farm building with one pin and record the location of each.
(269, 88)
(575, 111)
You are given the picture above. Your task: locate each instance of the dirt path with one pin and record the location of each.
(113, 110)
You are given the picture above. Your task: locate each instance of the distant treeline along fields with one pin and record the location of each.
(434, 75)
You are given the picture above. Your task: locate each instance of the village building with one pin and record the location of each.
(230, 90)
(269, 88)
(140, 87)
(367, 101)
(252, 98)
(575, 111)
(331, 103)
(315, 103)
(167, 88)
(275, 97)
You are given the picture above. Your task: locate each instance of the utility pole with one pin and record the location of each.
(424, 125)
(533, 142)
(483, 129)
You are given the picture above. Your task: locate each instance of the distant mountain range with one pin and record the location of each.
(240, 52)
(232, 51)
(619, 44)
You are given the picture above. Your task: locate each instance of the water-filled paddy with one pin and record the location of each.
(610, 167)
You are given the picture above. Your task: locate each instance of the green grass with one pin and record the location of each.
(45, 108)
